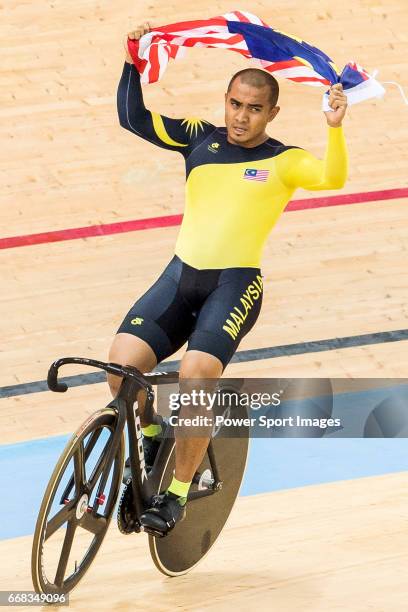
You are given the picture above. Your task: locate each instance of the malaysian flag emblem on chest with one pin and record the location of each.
(251, 174)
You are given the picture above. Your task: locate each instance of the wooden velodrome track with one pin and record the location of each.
(330, 272)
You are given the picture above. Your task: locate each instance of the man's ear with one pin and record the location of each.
(274, 111)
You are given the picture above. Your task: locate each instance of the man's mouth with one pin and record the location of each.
(239, 130)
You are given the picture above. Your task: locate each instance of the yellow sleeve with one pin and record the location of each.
(298, 168)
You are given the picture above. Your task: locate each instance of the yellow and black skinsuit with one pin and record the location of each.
(234, 196)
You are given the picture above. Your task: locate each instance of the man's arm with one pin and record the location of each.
(298, 168)
(173, 134)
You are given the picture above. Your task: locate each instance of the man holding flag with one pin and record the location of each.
(239, 181)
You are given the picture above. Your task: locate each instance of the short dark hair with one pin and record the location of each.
(258, 78)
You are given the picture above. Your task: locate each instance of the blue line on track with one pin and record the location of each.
(274, 463)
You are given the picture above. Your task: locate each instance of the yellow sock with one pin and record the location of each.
(151, 430)
(179, 488)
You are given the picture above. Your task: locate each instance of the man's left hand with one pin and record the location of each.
(338, 102)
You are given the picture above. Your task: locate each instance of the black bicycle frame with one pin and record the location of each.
(126, 405)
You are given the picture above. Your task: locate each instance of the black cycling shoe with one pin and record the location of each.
(164, 513)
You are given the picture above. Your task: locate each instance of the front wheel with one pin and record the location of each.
(75, 513)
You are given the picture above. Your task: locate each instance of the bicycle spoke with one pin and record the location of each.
(98, 469)
(94, 524)
(60, 518)
(66, 549)
(92, 441)
(89, 446)
(79, 468)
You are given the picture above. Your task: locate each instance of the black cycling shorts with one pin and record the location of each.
(211, 309)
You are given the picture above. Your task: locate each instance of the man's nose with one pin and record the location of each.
(242, 115)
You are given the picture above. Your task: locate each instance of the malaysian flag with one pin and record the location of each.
(277, 52)
(251, 174)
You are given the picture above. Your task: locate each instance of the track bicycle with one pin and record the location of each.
(84, 487)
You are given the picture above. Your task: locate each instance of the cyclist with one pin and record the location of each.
(238, 182)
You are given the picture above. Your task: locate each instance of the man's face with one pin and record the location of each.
(247, 113)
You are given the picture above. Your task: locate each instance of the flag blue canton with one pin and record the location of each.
(267, 44)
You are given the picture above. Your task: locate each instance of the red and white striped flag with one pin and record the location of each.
(279, 53)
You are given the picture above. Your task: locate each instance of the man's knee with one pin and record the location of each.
(197, 364)
(129, 350)
(199, 372)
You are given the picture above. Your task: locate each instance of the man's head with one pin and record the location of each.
(250, 104)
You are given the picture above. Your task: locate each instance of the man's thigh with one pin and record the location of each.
(161, 318)
(228, 314)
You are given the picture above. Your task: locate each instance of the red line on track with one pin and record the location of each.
(107, 229)
(348, 198)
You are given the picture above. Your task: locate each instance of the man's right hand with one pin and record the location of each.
(135, 35)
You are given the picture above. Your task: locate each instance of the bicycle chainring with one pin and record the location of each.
(127, 522)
